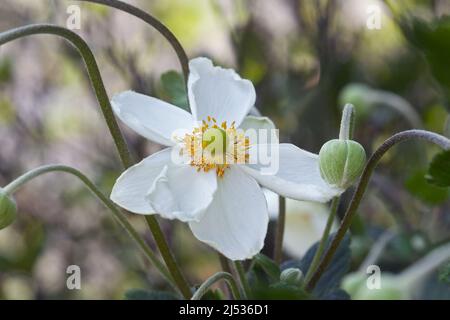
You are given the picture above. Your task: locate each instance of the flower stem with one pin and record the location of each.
(93, 72)
(96, 81)
(347, 122)
(431, 137)
(227, 277)
(281, 221)
(326, 233)
(168, 257)
(155, 23)
(20, 181)
(243, 279)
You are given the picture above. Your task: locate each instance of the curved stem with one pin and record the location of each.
(168, 256)
(96, 81)
(227, 277)
(93, 72)
(155, 23)
(326, 233)
(278, 249)
(20, 181)
(434, 138)
(242, 278)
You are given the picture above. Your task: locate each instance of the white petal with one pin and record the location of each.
(152, 118)
(218, 92)
(293, 173)
(255, 122)
(235, 223)
(132, 186)
(259, 130)
(180, 192)
(305, 222)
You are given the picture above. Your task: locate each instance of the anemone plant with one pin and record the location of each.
(211, 173)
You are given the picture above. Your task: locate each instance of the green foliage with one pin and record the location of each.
(439, 170)
(328, 285)
(433, 39)
(268, 265)
(431, 194)
(444, 273)
(175, 89)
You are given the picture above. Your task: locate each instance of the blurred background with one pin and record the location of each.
(306, 60)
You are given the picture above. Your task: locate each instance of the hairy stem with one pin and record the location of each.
(434, 138)
(281, 222)
(168, 257)
(96, 81)
(227, 277)
(20, 181)
(93, 72)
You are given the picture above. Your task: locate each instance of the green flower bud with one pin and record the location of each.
(8, 209)
(341, 162)
(292, 276)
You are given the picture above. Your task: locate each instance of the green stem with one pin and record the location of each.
(20, 181)
(347, 122)
(168, 256)
(431, 137)
(94, 75)
(281, 222)
(242, 279)
(323, 242)
(93, 72)
(227, 277)
(155, 23)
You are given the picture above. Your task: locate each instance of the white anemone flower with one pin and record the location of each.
(221, 201)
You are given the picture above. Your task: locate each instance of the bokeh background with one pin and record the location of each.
(305, 58)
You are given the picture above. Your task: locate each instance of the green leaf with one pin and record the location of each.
(433, 39)
(431, 194)
(141, 294)
(444, 273)
(174, 88)
(269, 266)
(439, 170)
(328, 285)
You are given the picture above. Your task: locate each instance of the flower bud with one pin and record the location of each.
(341, 162)
(8, 209)
(292, 276)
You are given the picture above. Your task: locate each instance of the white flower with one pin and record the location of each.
(223, 203)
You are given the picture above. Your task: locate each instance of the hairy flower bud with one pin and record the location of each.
(8, 209)
(292, 276)
(341, 162)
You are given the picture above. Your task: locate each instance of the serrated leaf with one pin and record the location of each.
(141, 294)
(174, 87)
(328, 285)
(439, 170)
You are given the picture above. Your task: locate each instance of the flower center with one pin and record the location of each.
(214, 147)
